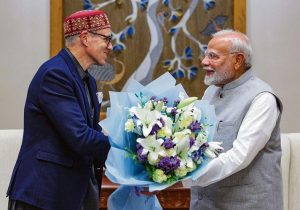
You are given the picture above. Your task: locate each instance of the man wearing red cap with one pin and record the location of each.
(63, 146)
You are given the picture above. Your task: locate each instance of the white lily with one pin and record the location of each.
(164, 132)
(182, 141)
(185, 121)
(147, 118)
(186, 102)
(188, 162)
(191, 111)
(149, 105)
(153, 148)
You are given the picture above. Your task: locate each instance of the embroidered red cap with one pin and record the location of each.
(88, 20)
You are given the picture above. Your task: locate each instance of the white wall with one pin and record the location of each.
(24, 46)
(274, 28)
(272, 25)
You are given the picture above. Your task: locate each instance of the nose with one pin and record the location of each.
(205, 61)
(109, 46)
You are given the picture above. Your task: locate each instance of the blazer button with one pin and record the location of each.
(221, 95)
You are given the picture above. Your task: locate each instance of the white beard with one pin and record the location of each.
(218, 78)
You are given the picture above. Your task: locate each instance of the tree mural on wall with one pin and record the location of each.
(162, 18)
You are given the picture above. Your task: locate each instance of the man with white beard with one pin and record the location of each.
(247, 174)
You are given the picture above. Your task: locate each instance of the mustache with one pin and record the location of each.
(207, 69)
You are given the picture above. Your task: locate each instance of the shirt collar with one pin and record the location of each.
(241, 80)
(80, 70)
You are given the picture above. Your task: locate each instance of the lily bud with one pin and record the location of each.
(186, 102)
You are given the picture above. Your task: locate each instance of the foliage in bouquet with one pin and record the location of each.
(171, 140)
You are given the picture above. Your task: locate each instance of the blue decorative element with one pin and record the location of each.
(192, 72)
(203, 49)
(88, 5)
(215, 25)
(130, 31)
(220, 20)
(122, 36)
(173, 31)
(182, 65)
(173, 18)
(166, 63)
(144, 4)
(166, 2)
(175, 15)
(178, 74)
(188, 53)
(209, 4)
(118, 48)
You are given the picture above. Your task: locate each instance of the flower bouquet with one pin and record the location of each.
(159, 136)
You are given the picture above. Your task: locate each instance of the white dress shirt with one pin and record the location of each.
(252, 136)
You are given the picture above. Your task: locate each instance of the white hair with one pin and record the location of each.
(70, 40)
(238, 44)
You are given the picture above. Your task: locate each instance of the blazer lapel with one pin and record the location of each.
(72, 68)
(94, 99)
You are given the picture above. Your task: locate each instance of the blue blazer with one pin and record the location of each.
(61, 139)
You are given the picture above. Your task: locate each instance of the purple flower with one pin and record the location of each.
(174, 112)
(168, 144)
(195, 126)
(196, 155)
(168, 164)
(154, 130)
(162, 122)
(204, 146)
(142, 158)
(176, 102)
(153, 98)
(165, 100)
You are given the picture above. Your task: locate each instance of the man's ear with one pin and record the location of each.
(83, 38)
(239, 60)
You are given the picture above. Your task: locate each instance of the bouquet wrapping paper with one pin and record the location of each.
(121, 168)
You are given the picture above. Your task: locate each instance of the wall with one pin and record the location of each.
(273, 27)
(24, 46)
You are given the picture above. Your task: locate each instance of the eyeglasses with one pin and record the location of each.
(107, 39)
(214, 56)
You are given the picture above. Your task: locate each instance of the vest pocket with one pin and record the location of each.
(226, 132)
(224, 124)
